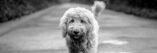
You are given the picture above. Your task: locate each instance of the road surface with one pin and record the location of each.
(40, 33)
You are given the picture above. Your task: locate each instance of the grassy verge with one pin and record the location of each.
(13, 9)
(141, 12)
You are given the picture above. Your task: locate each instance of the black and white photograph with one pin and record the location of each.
(78, 26)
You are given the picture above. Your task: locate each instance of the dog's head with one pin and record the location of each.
(79, 22)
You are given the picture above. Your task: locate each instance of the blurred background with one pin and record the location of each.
(13, 9)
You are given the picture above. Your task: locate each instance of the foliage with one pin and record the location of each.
(83, 1)
(12, 9)
(142, 8)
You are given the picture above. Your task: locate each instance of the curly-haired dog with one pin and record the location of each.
(80, 29)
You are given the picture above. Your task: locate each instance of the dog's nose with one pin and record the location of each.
(75, 32)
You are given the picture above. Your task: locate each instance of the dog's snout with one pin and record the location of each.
(75, 32)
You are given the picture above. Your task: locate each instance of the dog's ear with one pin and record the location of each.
(89, 31)
(64, 30)
(98, 7)
(63, 25)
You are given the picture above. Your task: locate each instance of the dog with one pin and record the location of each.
(80, 28)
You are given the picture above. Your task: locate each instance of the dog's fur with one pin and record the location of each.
(80, 29)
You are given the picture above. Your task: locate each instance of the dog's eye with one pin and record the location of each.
(71, 20)
(82, 21)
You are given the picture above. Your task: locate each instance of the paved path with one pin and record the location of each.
(39, 33)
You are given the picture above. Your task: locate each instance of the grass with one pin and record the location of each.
(13, 9)
(141, 12)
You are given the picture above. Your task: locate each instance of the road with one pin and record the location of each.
(40, 33)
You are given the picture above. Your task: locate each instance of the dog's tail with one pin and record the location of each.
(98, 7)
